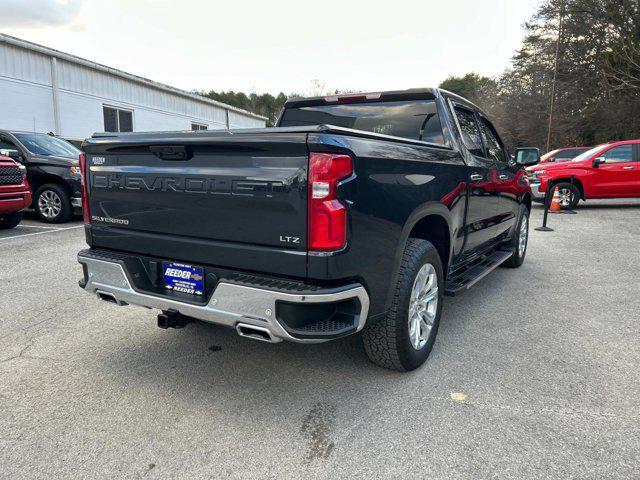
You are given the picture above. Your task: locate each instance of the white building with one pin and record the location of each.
(45, 90)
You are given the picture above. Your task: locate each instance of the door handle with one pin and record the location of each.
(476, 177)
(630, 167)
(503, 177)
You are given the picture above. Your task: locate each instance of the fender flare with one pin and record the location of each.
(422, 211)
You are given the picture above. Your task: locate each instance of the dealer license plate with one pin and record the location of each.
(179, 277)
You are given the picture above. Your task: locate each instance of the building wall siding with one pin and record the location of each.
(22, 64)
(26, 94)
(25, 106)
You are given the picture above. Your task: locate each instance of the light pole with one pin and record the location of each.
(555, 73)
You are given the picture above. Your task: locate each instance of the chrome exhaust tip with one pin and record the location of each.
(109, 297)
(257, 333)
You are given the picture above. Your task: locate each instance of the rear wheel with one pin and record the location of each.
(52, 204)
(404, 338)
(10, 220)
(520, 239)
(569, 195)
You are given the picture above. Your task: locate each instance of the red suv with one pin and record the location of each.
(15, 194)
(610, 170)
(563, 154)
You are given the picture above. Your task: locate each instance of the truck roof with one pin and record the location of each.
(389, 95)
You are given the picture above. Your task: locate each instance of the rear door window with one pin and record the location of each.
(469, 130)
(493, 144)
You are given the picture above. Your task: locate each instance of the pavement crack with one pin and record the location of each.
(20, 354)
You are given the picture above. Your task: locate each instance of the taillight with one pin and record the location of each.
(84, 175)
(327, 216)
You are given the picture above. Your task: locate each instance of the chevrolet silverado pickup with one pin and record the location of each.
(610, 170)
(356, 213)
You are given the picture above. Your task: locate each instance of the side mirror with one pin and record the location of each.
(15, 154)
(599, 161)
(527, 156)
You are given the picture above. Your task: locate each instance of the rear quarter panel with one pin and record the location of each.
(394, 186)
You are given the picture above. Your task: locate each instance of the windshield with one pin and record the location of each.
(590, 152)
(41, 144)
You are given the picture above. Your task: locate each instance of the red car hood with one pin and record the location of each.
(551, 166)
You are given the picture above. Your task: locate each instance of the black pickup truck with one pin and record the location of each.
(52, 171)
(356, 213)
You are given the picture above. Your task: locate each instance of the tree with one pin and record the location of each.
(598, 76)
(265, 104)
(469, 86)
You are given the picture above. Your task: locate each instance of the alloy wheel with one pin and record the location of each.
(423, 306)
(50, 204)
(566, 197)
(523, 236)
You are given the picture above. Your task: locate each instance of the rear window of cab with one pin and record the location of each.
(416, 119)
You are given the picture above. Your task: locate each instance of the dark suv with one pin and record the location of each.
(52, 172)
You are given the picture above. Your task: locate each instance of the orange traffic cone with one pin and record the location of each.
(555, 202)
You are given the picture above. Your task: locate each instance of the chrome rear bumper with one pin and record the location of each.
(230, 305)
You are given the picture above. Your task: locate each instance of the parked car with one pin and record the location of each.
(15, 194)
(52, 171)
(357, 213)
(610, 170)
(563, 154)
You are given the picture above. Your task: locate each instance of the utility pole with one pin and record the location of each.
(555, 74)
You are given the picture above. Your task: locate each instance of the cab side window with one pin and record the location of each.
(621, 154)
(8, 144)
(469, 130)
(495, 149)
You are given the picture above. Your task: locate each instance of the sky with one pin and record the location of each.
(280, 45)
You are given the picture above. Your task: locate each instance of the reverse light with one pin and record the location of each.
(327, 216)
(84, 174)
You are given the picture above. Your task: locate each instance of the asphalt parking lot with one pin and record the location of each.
(535, 374)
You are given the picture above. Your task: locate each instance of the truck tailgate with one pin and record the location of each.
(231, 200)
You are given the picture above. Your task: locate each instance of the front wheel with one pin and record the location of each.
(10, 220)
(569, 195)
(52, 204)
(404, 338)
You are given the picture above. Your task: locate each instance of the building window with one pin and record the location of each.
(117, 120)
(198, 126)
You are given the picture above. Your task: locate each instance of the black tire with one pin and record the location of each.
(48, 208)
(518, 256)
(387, 342)
(10, 220)
(566, 187)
